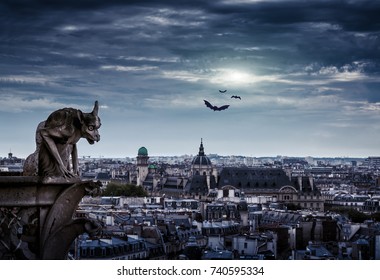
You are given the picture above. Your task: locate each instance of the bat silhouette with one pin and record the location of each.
(222, 91)
(215, 108)
(236, 97)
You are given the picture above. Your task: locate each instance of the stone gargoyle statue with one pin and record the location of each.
(56, 144)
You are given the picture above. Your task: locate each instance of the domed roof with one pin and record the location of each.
(201, 158)
(142, 152)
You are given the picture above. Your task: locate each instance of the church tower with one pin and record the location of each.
(201, 165)
(142, 165)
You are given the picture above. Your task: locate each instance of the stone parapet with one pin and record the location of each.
(37, 220)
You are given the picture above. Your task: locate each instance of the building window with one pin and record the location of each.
(225, 193)
(84, 252)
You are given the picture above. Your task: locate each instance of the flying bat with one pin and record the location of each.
(222, 91)
(215, 108)
(236, 97)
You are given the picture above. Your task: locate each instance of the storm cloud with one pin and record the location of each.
(307, 72)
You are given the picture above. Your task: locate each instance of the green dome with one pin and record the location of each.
(142, 152)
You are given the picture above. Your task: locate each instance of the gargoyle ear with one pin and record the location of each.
(80, 116)
(96, 108)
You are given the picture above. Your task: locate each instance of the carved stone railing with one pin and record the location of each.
(37, 220)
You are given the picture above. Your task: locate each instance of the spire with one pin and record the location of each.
(201, 150)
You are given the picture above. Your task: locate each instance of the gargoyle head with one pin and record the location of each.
(90, 125)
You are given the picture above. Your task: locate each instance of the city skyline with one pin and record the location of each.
(307, 74)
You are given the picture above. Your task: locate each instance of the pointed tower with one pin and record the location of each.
(201, 165)
(142, 165)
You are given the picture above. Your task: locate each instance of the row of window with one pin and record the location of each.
(254, 174)
(132, 257)
(109, 251)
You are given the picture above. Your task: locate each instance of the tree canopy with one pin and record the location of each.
(116, 189)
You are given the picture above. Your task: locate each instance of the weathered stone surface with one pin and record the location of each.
(36, 219)
(37, 209)
(56, 155)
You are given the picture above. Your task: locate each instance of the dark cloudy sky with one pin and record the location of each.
(307, 72)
